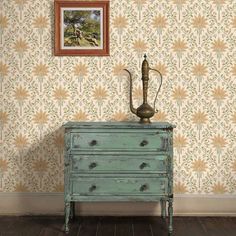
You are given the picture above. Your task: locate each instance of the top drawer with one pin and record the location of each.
(122, 140)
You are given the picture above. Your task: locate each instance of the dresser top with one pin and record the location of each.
(125, 125)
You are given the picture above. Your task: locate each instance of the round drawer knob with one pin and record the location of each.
(143, 165)
(93, 143)
(92, 188)
(144, 187)
(92, 165)
(144, 143)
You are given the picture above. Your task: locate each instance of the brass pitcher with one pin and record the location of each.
(145, 111)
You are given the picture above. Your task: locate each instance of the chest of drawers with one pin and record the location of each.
(118, 161)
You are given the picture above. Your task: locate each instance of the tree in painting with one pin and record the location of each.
(82, 28)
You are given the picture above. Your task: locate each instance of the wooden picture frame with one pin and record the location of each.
(81, 28)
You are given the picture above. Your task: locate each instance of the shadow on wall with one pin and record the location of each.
(32, 178)
(39, 168)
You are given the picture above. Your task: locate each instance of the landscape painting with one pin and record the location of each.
(81, 28)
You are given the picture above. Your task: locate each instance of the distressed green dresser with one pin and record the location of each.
(118, 161)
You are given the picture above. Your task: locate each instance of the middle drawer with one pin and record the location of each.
(119, 163)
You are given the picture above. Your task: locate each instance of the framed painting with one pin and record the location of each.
(81, 28)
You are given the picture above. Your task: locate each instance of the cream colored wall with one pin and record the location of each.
(191, 42)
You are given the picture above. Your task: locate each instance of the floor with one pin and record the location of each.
(117, 226)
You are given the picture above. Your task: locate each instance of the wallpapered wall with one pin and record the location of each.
(191, 42)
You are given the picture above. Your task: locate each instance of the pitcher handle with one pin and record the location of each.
(133, 110)
(154, 105)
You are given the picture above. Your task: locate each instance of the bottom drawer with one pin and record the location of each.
(86, 186)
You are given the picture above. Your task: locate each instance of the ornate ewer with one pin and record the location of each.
(145, 111)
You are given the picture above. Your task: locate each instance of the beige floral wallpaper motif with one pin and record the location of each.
(193, 44)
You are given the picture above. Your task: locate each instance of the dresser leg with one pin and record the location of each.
(170, 213)
(163, 208)
(72, 210)
(67, 215)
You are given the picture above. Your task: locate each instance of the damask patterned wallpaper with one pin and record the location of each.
(193, 44)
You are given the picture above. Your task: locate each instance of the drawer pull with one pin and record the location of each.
(143, 188)
(93, 143)
(92, 188)
(143, 165)
(92, 165)
(144, 143)
(67, 164)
